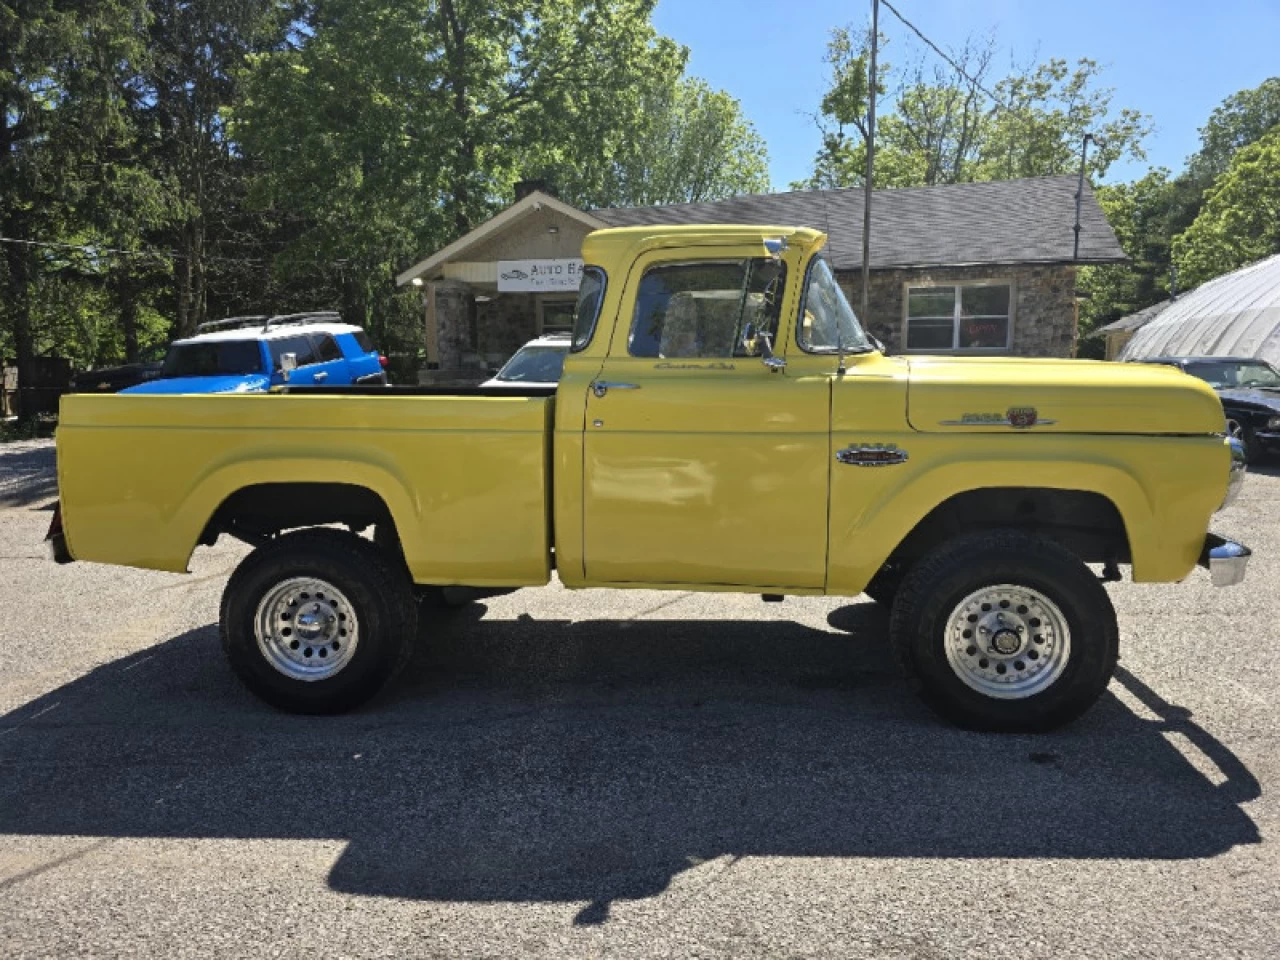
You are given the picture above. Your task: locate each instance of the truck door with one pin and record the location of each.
(702, 464)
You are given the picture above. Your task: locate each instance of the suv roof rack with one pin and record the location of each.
(310, 316)
(266, 322)
(232, 323)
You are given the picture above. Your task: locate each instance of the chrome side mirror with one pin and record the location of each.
(288, 363)
(752, 338)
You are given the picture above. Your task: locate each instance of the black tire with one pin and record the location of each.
(373, 582)
(883, 588)
(941, 581)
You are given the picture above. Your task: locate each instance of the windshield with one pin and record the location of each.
(827, 322)
(212, 359)
(1234, 373)
(534, 365)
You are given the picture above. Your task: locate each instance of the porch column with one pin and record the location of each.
(453, 306)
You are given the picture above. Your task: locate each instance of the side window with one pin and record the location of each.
(366, 344)
(704, 309)
(587, 309)
(327, 349)
(296, 345)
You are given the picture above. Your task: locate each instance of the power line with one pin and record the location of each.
(938, 50)
(98, 250)
(95, 250)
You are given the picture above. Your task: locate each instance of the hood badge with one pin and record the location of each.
(1020, 418)
(871, 454)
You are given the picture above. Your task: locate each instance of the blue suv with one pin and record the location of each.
(248, 355)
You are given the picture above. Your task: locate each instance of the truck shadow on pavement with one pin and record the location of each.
(27, 474)
(536, 760)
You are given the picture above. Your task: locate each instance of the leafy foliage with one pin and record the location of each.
(939, 126)
(1240, 220)
(194, 159)
(1152, 217)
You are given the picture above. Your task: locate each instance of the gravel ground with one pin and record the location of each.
(622, 774)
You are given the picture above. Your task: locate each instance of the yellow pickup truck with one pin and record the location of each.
(723, 424)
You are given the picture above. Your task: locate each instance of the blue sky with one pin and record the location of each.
(1174, 60)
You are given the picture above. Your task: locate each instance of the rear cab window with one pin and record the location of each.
(707, 309)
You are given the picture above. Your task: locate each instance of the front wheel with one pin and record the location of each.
(1248, 441)
(1005, 631)
(318, 621)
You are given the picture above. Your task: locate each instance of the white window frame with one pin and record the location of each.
(956, 286)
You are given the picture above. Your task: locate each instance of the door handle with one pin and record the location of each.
(322, 375)
(601, 387)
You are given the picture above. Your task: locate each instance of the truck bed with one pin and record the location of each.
(464, 474)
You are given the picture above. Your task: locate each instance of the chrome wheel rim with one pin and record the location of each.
(306, 629)
(1007, 642)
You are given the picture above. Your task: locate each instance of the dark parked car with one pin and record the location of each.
(1250, 393)
(115, 379)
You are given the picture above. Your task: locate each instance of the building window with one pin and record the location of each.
(556, 316)
(959, 317)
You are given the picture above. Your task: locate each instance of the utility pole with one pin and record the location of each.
(871, 162)
(1084, 145)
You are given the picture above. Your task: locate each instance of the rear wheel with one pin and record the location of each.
(1005, 631)
(318, 621)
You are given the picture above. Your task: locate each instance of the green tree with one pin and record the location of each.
(1139, 213)
(692, 143)
(197, 54)
(1148, 214)
(939, 125)
(1240, 220)
(842, 115)
(64, 68)
(1241, 119)
(391, 127)
(1046, 113)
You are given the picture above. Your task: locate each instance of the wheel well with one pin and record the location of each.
(261, 511)
(1086, 523)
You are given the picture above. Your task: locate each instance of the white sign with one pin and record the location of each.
(538, 276)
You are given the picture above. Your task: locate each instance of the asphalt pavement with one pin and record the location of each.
(618, 774)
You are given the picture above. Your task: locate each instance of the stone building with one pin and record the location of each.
(974, 268)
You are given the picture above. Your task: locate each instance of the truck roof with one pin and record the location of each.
(600, 246)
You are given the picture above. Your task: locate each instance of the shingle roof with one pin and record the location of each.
(995, 222)
(1134, 321)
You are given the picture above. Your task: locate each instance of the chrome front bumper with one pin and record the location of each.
(1238, 470)
(1225, 560)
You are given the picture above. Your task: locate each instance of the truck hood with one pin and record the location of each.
(997, 394)
(239, 383)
